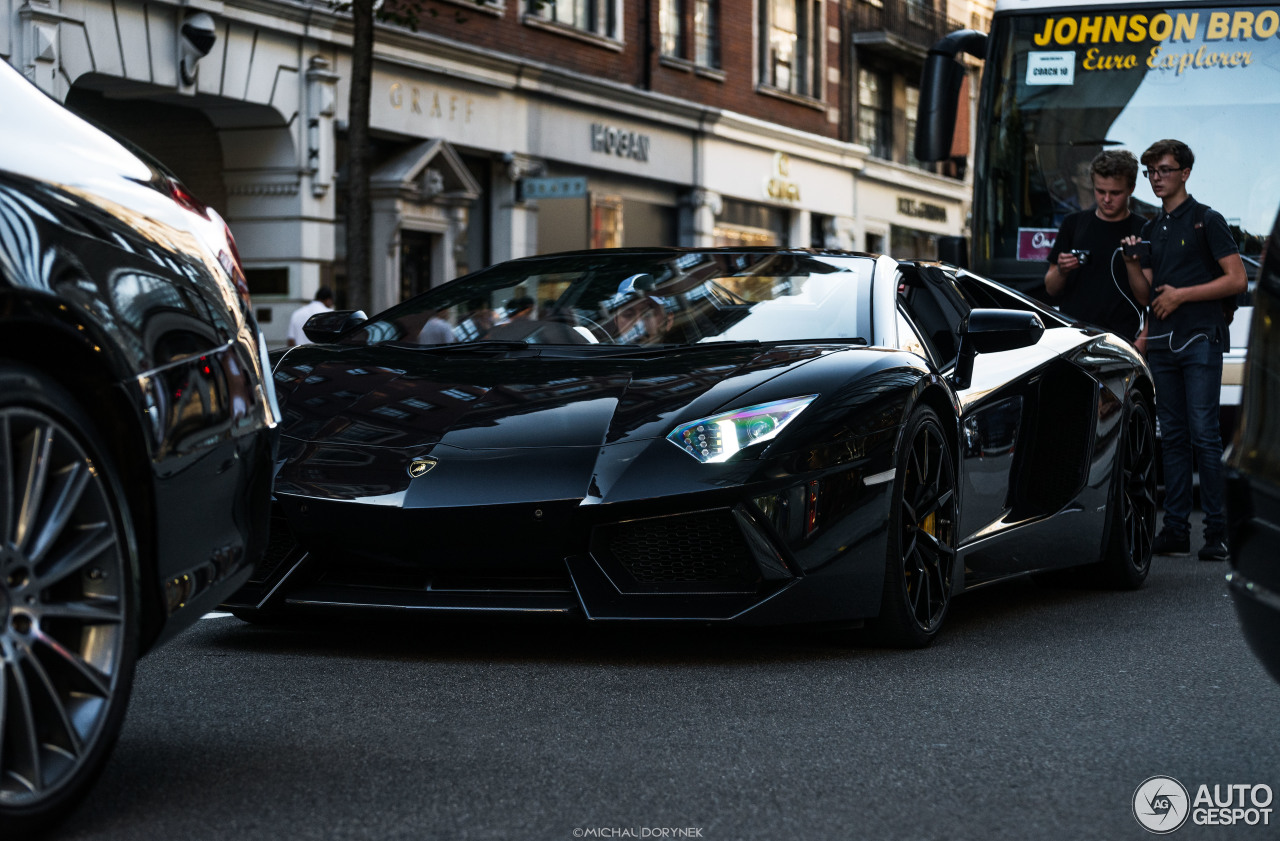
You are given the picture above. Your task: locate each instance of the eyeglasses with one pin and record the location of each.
(1163, 171)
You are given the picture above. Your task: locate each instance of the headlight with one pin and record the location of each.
(718, 437)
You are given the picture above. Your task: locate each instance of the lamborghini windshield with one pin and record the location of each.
(1064, 85)
(638, 298)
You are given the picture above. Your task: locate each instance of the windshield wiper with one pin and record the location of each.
(665, 349)
(823, 340)
(464, 347)
(661, 349)
(483, 346)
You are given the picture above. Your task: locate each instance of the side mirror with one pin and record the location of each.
(993, 331)
(325, 327)
(940, 93)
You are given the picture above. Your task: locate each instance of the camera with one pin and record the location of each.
(196, 38)
(1082, 256)
(1142, 248)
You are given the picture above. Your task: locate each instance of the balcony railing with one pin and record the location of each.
(913, 23)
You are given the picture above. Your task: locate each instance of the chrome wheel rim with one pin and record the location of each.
(927, 520)
(62, 603)
(1139, 498)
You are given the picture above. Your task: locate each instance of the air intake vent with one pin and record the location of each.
(704, 548)
(280, 547)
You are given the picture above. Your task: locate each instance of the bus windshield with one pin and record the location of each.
(1060, 86)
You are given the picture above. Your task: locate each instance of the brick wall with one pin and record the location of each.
(635, 61)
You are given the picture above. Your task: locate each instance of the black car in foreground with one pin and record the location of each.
(1253, 473)
(136, 436)
(758, 435)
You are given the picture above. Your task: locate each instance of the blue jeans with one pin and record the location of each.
(1188, 392)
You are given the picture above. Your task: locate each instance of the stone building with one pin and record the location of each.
(503, 129)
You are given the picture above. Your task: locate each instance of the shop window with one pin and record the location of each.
(606, 221)
(911, 244)
(792, 48)
(564, 225)
(415, 263)
(471, 251)
(822, 229)
(747, 224)
(648, 224)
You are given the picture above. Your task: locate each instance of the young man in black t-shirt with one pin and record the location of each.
(1094, 288)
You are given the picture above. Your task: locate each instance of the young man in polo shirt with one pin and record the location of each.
(1194, 264)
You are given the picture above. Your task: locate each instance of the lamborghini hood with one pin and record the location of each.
(503, 424)
(402, 399)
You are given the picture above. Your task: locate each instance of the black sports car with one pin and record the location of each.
(136, 435)
(1253, 474)
(762, 436)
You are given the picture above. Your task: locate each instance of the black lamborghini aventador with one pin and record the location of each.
(761, 436)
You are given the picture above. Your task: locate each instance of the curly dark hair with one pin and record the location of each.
(1114, 163)
(1181, 153)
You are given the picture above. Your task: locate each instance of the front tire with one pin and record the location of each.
(68, 603)
(1126, 561)
(921, 545)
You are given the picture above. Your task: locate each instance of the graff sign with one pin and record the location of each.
(432, 103)
(1226, 38)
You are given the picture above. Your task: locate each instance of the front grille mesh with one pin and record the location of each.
(704, 547)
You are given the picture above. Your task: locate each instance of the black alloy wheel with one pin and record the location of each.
(1127, 559)
(922, 539)
(67, 603)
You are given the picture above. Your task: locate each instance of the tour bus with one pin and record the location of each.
(1064, 79)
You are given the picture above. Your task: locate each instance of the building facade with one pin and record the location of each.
(504, 129)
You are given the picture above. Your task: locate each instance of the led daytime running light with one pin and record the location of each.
(719, 437)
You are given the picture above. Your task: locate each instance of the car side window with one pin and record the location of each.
(936, 307)
(984, 293)
(985, 296)
(911, 340)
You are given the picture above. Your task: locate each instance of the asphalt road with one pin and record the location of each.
(1036, 716)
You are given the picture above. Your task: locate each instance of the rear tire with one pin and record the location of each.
(921, 545)
(68, 602)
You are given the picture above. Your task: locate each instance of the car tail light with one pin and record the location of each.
(179, 194)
